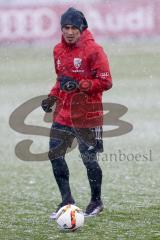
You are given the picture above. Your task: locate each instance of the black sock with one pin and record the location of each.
(94, 174)
(61, 173)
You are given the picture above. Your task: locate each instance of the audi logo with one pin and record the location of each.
(28, 23)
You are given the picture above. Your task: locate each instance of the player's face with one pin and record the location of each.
(71, 34)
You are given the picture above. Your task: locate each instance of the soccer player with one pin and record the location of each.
(83, 74)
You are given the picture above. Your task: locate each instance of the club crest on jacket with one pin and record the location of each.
(77, 62)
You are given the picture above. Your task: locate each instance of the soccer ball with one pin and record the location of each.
(70, 217)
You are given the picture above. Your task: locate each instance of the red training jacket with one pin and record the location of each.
(87, 63)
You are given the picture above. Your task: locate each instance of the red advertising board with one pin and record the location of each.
(117, 19)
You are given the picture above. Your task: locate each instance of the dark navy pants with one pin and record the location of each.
(61, 138)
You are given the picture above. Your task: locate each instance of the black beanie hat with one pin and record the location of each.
(74, 17)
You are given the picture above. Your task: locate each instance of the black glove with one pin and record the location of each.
(68, 84)
(48, 103)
